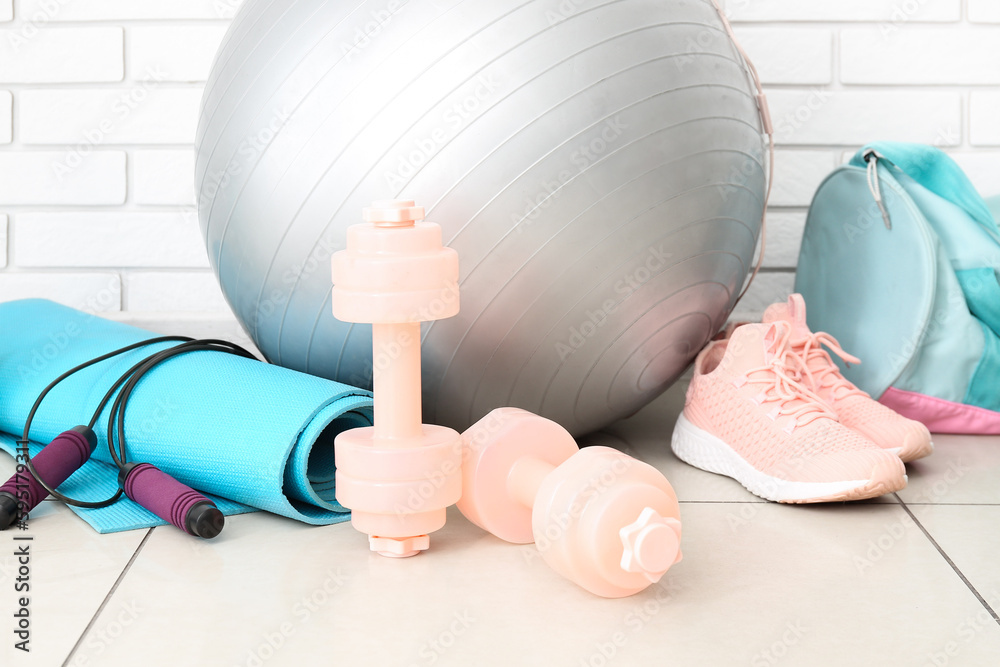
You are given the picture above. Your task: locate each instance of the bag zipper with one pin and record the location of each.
(871, 158)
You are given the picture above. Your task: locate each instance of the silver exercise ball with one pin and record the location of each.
(597, 165)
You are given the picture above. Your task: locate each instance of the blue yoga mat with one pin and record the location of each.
(247, 433)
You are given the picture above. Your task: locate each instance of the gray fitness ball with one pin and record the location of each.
(597, 164)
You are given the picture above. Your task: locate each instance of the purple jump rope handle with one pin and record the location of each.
(54, 464)
(170, 500)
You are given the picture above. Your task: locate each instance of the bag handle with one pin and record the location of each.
(936, 171)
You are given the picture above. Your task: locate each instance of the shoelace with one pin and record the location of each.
(781, 386)
(827, 375)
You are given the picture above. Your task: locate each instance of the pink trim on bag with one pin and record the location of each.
(942, 416)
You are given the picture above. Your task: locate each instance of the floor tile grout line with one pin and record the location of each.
(954, 504)
(950, 562)
(107, 598)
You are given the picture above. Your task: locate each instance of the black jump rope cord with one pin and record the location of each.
(130, 379)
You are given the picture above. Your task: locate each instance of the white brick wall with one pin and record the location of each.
(55, 55)
(893, 57)
(61, 178)
(144, 113)
(845, 10)
(984, 11)
(124, 10)
(173, 53)
(109, 239)
(93, 292)
(172, 292)
(163, 177)
(854, 117)
(99, 102)
(6, 116)
(3, 241)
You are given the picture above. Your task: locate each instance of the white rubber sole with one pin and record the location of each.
(703, 450)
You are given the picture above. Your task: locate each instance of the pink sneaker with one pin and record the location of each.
(747, 418)
(908, 439)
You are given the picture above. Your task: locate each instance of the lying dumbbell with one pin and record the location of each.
(602, 519)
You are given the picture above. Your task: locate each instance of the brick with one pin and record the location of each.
(163, 177)
(966, 56)
(854, 117)
(895, 11)
(92, 292)
(182, 53)
(58, 178)
(6, 116)
(145, 113)
(57, 55)
(789, 55)
(984, 11)
(174, 292)
(101, 10)
(984, 118)
(797, 174)
(784, 236)
(767, 288)
(3, 240)
(112, 239)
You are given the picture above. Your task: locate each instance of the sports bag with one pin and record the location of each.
(899, 262)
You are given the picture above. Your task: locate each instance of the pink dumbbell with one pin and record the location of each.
(600, 518)
(399, 476)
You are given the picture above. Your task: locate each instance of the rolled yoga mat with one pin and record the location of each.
(249, 434)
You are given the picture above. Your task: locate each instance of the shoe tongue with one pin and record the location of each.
(793, 312)
(755, 345)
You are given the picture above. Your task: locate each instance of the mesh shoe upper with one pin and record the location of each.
(743, 393)
(853, 407)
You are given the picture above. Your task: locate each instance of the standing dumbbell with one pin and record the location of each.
(399, 476)
(601, 518)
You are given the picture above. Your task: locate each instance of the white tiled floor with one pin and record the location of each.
(905, 580)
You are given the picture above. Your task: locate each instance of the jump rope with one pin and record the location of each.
(145, 484)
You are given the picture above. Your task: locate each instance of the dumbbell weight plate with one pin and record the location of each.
(490, 449)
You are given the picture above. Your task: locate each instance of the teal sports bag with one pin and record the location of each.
(899, 262)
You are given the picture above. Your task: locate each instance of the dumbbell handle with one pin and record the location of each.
(396, 380)
(526, 477)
